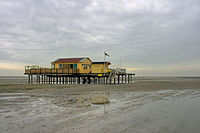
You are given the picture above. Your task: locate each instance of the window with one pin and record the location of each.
(71, 65)
(60, 66)
(53, 66)
(84, 66)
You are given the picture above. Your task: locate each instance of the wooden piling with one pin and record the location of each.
(29, 81)
(59, 78)
(128, 79)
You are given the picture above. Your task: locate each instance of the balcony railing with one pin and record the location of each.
(51, 71)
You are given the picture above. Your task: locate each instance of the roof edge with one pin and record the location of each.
(84, 58)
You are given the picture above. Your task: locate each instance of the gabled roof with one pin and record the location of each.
(101, 63)
(69, 60)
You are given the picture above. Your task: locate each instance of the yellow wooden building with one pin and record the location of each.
(81, 65)
(100, 67)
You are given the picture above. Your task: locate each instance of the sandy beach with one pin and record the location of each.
(149, 105)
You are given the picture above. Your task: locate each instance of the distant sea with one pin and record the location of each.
(13, 79)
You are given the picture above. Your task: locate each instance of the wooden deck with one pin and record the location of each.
(51, 71)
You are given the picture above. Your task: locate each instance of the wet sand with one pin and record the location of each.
(149, 105)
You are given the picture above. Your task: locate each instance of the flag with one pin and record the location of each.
(106, 54)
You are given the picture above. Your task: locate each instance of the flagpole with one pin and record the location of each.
(104, 62)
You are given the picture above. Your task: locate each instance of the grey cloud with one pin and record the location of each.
(139, 32)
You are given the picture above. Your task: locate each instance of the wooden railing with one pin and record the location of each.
(51, 71)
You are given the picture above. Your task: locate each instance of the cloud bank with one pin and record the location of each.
(143, 34)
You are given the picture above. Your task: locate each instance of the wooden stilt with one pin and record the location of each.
(38, 79)
(67, 79)
(98, 80)
(128, 79)
(63, 80)
(131, 79)
(57, 80)
(49, 78)
(60, 80)
(72, 80)
(29, 79)
(44, 79)
(79, 80)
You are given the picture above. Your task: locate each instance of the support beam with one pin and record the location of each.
(60, 80)
(44, 79)
(128, 79)
(131, 79)
(63, 80)
(79, 80)
(57, 80)
(110, 80)
(39, 79)
(29, 79)
(125, 79)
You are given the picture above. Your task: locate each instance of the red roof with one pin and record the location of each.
(68, 60)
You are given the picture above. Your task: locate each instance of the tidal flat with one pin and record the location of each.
(149, 105)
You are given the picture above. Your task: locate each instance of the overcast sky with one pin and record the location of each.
(149, 37)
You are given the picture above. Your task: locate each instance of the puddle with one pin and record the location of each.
(146, 111)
